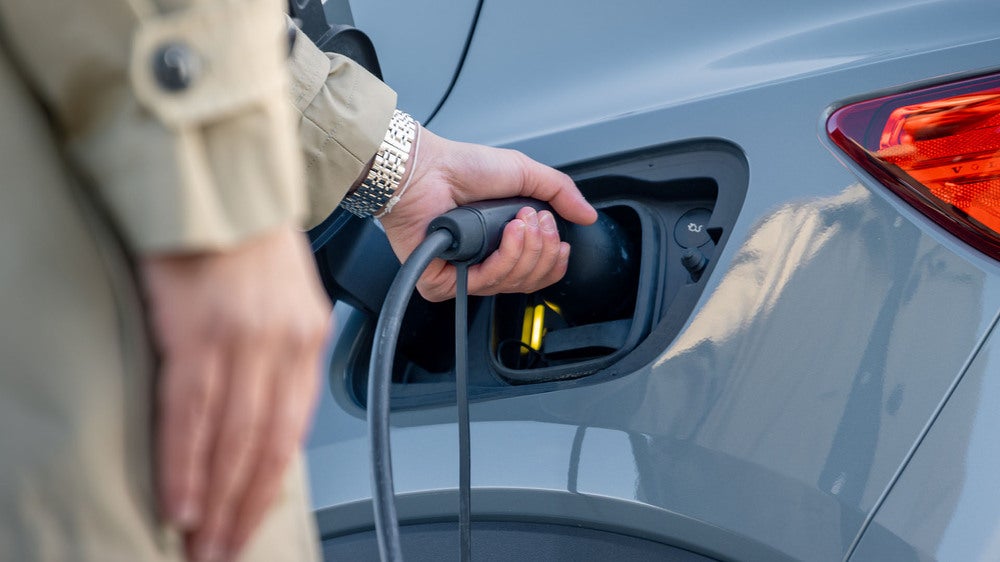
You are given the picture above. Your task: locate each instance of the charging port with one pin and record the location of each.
(666, 215)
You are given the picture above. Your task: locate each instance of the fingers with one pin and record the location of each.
(529, 258)
(553, 258)
(184, 427)
(292, 404)
(495, 273)
(236, 446)
(269, 401)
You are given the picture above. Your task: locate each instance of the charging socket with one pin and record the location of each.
(558, 334)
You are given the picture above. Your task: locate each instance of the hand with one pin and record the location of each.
(240, 334)
(448, 174)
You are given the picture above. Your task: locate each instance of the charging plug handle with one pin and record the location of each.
(476, 228)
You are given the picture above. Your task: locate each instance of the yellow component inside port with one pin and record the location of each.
(537, 328)
(533, 328)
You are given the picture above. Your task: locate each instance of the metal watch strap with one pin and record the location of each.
(387, 169)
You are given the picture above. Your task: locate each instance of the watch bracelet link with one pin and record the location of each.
(387, 169)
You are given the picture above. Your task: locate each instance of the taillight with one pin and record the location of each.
(938, 148)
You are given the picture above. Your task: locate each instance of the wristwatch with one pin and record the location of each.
(387, 169)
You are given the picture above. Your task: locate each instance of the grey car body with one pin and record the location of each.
(832, 393)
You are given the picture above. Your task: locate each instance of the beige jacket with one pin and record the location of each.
(217, 160)
(84, 119)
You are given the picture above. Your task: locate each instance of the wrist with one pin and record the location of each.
(407, 176)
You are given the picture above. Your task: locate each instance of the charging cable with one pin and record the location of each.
(463, 236)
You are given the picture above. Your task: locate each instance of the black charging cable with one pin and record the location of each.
(463, 236)
(462, 403)
(380, 386)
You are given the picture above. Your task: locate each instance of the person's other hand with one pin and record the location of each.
(240, 334)
(448, 174)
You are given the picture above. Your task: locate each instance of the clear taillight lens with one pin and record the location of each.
(938, 148)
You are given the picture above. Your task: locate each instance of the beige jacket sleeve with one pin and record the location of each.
(344, 112)
(195, 167)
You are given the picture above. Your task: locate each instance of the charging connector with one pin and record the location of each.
(477, 227)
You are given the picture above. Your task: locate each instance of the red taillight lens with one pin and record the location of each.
(938, 148)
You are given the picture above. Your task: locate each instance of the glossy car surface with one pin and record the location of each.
(832, 394)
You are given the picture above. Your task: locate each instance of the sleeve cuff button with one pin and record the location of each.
(175, 66)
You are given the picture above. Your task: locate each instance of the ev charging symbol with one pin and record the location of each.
(691, 229)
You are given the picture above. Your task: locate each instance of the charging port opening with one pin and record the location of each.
(599, 310)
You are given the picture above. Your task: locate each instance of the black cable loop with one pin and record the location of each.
(380, 386)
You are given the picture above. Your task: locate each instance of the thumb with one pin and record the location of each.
(548, 184)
